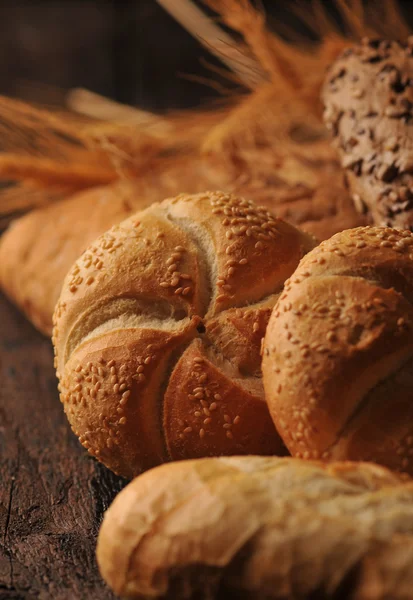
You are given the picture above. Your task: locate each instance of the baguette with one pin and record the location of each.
(38, 249)
(338, 351)
(260, 528)
(158, 332)
(368, 97)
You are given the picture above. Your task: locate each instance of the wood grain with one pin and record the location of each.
(52, 494)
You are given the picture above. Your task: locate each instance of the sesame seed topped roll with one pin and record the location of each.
(338, 351)
(158, 332)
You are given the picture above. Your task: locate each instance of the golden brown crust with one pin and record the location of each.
(39, 248)
(305, 188)
(256, 527)
(209, 409)
(341, 331)
(162, 290)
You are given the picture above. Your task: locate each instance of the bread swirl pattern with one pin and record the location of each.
(158, 332)
(260, 528)
(339, 348)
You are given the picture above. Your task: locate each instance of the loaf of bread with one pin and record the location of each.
(39, 248)
(33, 265)
(158, 332)
(260, 528)
(338, 351)
(368, 97)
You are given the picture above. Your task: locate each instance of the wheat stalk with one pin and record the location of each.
(96, 106)
(216, 40)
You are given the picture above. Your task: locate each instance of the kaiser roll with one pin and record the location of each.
(158, 332)
(338, 352)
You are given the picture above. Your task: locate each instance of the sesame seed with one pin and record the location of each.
(229, 435)
(188, 430)
(201, 433)
(213, 406)
(122, 421)
(207, 421)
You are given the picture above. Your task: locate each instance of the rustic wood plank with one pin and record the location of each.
(52, 494)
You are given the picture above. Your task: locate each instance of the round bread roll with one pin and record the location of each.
(159, 327)
(338, 351)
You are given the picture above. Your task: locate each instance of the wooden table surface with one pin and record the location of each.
(52, 494)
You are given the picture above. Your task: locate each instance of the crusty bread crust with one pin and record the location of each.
(158, 331)
(38, 249)
(368, 95)
(339, 347)
(260, 528)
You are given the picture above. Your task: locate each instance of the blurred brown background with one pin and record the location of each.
(130, 50)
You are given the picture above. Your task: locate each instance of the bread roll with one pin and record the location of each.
(261, 528)
(368, 95)
(33, 265)
(158, 332)
(338, 351)
(38, 249)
